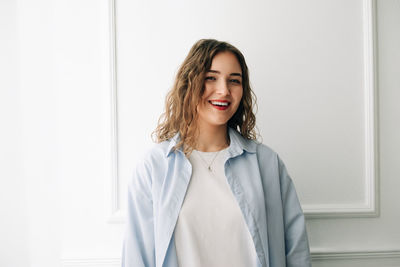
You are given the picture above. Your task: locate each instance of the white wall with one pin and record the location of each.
(380, 235)
(13, 205)
(29, 177)
(56, 142)
(309, 67)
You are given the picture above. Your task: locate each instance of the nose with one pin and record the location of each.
(223, 87)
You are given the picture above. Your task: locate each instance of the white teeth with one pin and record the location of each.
(219, 103)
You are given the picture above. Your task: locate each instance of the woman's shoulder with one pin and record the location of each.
(157, 152)
(151, 164)
(263, 150)
(250, 145)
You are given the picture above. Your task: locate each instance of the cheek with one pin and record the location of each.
(206, 92)
(239, 95)
(202, 103)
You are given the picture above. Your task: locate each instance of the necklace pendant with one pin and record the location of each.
(209, 168)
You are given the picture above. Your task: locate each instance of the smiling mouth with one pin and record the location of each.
(220, 105)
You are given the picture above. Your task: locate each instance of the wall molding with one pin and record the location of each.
(315, 256)
(355, 255)
(94, 262)
(370, 206)
(115, 212)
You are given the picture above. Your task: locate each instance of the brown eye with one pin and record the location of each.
(210, 78)
(235, 81)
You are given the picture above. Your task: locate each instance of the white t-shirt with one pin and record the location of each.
(211, 230)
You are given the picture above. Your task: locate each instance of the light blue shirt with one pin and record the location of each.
(258, 180)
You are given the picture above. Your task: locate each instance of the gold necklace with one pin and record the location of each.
(208, 166)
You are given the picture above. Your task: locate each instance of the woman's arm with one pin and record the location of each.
(296, 241)
(138, 247)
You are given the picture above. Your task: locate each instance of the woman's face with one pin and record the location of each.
(223, 90)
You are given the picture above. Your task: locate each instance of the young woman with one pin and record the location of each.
(208, 194)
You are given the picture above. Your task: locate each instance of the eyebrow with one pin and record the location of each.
(232, 74)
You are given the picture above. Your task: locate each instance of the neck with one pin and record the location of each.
(212, 138)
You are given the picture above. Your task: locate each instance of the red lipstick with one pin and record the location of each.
(220, 104)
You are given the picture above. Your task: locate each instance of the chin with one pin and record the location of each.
(220, 123)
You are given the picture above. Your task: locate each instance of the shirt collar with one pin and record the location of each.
(237, 143)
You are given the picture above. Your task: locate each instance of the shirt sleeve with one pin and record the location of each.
(138, 246)
(296, 241)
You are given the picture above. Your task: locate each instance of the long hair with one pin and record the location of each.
(180, 114)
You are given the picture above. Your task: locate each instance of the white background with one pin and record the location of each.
(306, 65)
(57, 139)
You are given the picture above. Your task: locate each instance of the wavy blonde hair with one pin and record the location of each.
(180, 114)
